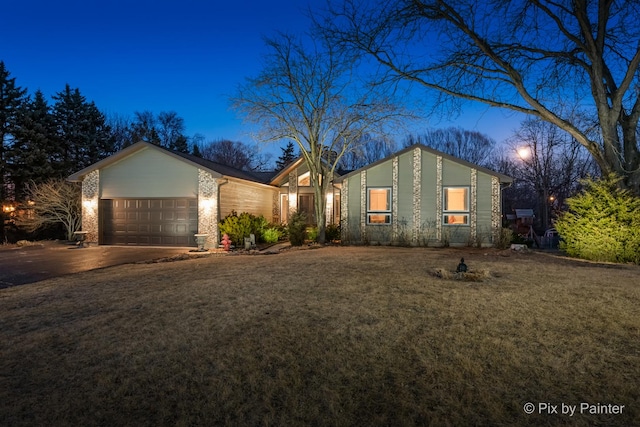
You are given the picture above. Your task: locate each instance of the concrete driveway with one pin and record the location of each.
(22, 265)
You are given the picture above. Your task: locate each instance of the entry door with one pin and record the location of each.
(305, 204)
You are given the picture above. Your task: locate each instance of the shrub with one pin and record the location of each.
(312, 233)
(332, 232)
(602, 224)
(271, 235)
(240, 226)
(297, 228)
(504, 238)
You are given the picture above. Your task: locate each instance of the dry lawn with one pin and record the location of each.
(335, 336)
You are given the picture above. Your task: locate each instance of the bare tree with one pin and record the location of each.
(235, 154)
(144, 127)
(549, 162)
(551, 59)
(367, 151)
(53, 202)
(171, 130)
(308, 94)
(472, 146)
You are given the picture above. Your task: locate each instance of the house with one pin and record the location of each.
(148, 195)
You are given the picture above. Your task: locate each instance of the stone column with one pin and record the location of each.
(473, 209)
(496, 209)
(90, 200)
(208, 198)
(344, 214)
(363, 205)
(293, 192)
(417, 193)
(439, 198)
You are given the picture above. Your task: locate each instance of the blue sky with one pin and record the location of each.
(186, 56)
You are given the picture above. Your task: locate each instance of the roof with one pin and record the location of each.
(503, 178)
(216, 168)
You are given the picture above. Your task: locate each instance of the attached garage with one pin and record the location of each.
(149, 195)
(154, 222)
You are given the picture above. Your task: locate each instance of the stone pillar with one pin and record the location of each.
(293, 192)
(394, 198)
(417, 193)
(90, 200)
(344, 213)
(439, 198)
(208, 208)
(496, 209)
(363, 205)
(473, 209)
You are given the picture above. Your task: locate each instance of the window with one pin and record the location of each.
(456, 206)
(304, 180)
(379, 206)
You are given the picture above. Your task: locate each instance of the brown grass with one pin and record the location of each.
(335, 336)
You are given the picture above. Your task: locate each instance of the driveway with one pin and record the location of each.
(22, 265)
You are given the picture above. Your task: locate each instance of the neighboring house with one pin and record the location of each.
(148, 195)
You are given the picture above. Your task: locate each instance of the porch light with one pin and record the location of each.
(89, 203)
(207, 203)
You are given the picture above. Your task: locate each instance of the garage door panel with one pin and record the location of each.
(162, 222)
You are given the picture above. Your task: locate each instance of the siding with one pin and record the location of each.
(455, 174)
(148, 173)
(484, 207)
(428, 196)
(243, 197)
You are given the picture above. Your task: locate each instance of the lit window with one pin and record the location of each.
(456, 206)
(379, 206)
(304, 180)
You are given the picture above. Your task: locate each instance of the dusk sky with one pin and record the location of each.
(186, 56)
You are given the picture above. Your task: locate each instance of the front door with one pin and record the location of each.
(305, 204)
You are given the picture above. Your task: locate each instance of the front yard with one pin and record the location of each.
(333, 336)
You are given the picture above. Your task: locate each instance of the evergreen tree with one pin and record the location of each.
(34, 140)
(287, 156)
(603, 223)
(196, 150)
(11, 99)
(82, 132)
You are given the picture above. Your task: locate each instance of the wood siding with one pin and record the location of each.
(239, 196)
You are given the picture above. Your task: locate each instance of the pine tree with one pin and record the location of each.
(34, 140)
(287, 156)
(82, 132)
(11, 99)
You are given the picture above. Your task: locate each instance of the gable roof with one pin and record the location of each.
(503, 178)
(217, 169)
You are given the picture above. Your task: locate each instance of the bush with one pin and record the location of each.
(297, 228)
(240, 226)
(505, 237)
(312, 233)
(332, 232)
(271, 235)
(603, 223)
